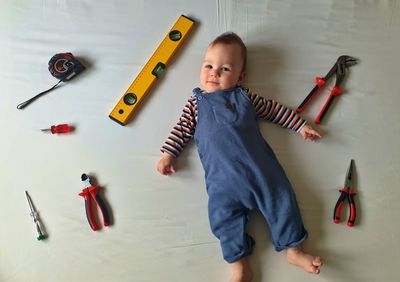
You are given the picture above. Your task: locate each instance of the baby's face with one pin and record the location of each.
(222, 67)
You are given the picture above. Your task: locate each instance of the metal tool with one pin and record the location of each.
(36, 220)
(91, 193)
(339, 69)
(346, 193)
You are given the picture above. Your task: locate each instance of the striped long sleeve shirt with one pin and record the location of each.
(267, 109)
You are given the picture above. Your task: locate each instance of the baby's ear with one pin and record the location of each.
(242, 76)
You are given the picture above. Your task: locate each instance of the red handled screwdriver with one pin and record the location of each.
(57, 129)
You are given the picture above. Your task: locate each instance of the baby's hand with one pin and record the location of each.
(309, 133)
(166, 165)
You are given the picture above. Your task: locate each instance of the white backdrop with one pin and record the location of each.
(160, 230)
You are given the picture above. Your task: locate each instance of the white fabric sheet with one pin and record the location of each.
(160, 230)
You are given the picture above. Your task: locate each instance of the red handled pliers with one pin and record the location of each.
(91, 193)
(346, 193)
(339, 69)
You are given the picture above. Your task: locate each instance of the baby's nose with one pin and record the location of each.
(214, 72)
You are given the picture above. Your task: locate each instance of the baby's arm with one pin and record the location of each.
(180, 135)
(309, 133)
(275, 112)
(281, 115)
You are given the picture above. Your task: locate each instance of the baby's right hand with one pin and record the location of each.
(166, 165)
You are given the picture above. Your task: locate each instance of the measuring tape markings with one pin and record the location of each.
(153, 69)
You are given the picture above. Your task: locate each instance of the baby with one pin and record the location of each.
(241, 170)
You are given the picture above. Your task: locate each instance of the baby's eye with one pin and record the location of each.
(225, 69)
(208, 67)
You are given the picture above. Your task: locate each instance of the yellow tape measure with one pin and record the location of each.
(129, 102)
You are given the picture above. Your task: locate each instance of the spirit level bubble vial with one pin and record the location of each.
(129, 102)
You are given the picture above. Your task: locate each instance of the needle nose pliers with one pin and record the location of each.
(91, 193)
(346, 193)
(339, 69)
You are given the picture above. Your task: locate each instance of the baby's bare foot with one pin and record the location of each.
(241, 271)
(309, 263)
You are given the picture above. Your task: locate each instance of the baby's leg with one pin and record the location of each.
(241, 271)
(309, 263)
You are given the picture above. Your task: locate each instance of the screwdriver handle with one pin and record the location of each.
(58, 129)
(39, 231)
(61, 128)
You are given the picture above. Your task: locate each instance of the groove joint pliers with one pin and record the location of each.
(339, 69)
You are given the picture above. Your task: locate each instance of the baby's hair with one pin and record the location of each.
(232, 38)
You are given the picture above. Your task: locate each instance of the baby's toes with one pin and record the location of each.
(317, 264)
(317, 261)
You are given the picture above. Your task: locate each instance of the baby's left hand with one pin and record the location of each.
(309, 133)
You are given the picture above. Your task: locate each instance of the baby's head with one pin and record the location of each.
(224, 63)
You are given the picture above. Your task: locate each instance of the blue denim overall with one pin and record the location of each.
(242, 174)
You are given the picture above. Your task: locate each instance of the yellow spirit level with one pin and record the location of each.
(123, 111)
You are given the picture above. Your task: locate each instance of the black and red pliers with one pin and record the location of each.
(346, 193)
(338, 69)
(91, 194)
